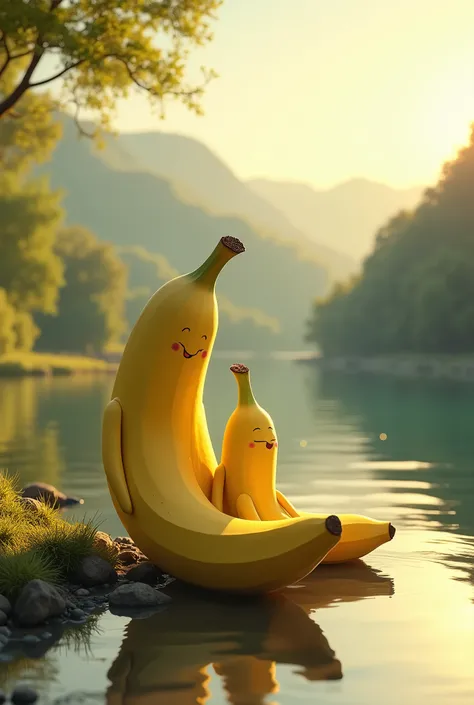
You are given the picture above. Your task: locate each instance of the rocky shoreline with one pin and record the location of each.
(38, 618)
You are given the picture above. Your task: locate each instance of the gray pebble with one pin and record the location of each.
(3, 639)
(82, 592)
(77, 615)
(46, 635)
(3, 618)
(23, 695)
(70, 605)
(30, 639)
(5, 631)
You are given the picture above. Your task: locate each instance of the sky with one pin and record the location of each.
(321, 91)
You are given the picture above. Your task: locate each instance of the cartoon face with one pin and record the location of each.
(264, 436)
(190, 345)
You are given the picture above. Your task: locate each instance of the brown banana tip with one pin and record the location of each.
(233, 243)
(391, 531)
(333, 525)
(239, 369)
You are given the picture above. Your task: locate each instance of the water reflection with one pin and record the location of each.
(174, 657)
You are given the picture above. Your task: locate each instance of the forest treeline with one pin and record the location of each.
(61, 288)
(415, 292)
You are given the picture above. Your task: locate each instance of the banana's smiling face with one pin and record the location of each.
(191, 343)
(264, 438)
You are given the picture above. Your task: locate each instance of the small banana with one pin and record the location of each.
(245, 482)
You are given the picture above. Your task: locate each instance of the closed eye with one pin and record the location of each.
(270, 428)
(204, 336)
(183, 329)
(257, 429)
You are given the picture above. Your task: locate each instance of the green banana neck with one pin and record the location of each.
(206, 275)
(246, 397)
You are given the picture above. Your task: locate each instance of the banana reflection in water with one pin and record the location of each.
(168, 657)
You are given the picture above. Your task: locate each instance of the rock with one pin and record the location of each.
(128, 557)
(46, 635)
(49, 495)
(31, 639)
(77, 615)
(103, 540)
(94, 570)
(23, 695)
(144, 573)
(124, 540)
(5, 631)
(37, 602)
(5, 605)
(83, 592)
(3, 618)
(3, 639)
(137, 595)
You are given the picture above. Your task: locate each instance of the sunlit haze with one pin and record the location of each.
(331, 90)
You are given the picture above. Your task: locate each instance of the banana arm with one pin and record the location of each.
(217, 497)
(246, 508)
(286, 504)
(112, 455)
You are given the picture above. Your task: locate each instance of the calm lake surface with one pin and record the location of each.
(397, 628)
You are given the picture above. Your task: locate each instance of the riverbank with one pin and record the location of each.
(18, 364)
(455, 367)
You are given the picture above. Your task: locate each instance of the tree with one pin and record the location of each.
(416, 290)
(7, 322)
(102, 49)
(29, 270)
(90, 311)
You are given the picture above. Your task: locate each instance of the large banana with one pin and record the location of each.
(245, 482)
(156, 454)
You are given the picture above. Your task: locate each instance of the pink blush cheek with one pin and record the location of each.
(204, 354)
(175, 346)
(276, 445)
(251, 445)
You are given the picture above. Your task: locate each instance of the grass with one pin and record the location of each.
(20, 364)
(38, 543)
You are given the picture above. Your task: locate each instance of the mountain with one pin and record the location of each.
(200, 178)
(346, 217)
(268, 290)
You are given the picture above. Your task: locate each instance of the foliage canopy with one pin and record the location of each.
(416, 289)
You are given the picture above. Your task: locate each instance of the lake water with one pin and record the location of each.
(397, 628)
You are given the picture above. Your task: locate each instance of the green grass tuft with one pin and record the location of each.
(18, 568)
(64, 543)
(37, 543)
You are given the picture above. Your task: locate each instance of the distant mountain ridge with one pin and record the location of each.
(266, 294)
(200, 178)
(346, 216)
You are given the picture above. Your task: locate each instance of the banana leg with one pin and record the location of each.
(286, 504)
(218, 488)
(246, 508)
(112, 455)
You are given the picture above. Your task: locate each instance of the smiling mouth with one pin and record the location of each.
(188, 355)
(268, 444)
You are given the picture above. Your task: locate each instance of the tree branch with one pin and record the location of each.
(8, 58)
(56, 75)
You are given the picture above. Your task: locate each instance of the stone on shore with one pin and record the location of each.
(103, 540)
(49, 495)
(137, 595)
(24, 695)
(5, 605)
(144, 572)
(37, 602)
(94, 570)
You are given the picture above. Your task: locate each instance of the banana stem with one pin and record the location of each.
(242, 376)
(227, 248)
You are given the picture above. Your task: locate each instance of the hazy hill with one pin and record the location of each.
(201, 178)
(268, 285)
(345, 217)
